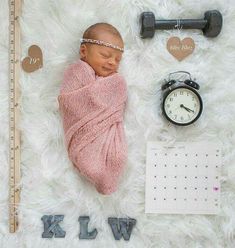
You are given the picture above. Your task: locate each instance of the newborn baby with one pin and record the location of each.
(103, 59)
(92, 102)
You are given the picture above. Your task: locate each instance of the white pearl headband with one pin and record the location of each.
(100, 42)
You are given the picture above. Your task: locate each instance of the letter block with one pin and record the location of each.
(52, 227)
(121, 227)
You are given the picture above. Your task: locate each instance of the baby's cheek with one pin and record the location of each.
(117, 67)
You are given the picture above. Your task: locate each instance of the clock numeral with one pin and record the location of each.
(175, 94)
(175, 116)
(181, 118)
(181, 92)
(171, 99)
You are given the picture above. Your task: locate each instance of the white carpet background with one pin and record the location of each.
(50, 185)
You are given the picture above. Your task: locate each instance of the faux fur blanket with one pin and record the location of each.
(92, 109)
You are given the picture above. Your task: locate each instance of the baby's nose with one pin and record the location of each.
(112, 61)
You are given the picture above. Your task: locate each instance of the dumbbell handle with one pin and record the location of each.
(180, 24)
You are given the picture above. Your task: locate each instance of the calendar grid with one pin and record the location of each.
(183, 178)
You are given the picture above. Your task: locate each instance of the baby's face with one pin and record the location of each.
(104, 60)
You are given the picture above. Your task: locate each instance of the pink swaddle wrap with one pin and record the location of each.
(92, 110)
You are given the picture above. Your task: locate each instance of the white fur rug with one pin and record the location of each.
(51, 186)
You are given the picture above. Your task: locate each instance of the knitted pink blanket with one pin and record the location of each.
(92, 110)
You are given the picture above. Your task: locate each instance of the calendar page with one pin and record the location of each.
(183, 178)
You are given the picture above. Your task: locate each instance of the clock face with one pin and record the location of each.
(182, 106)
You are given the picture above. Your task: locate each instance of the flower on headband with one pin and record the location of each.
(101, 42)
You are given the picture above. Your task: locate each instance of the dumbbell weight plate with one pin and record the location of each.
(214, 23)
(147, 24)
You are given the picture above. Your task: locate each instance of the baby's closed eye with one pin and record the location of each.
(105, 55)
(108, 56)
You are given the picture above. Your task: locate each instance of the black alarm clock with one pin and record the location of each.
(181, 103)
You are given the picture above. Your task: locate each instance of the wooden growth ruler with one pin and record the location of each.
(14, 132)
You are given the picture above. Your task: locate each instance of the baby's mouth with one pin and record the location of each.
(107, 69)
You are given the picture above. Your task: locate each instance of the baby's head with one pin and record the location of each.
(103, 59)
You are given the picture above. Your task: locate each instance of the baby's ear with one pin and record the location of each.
(83, 51)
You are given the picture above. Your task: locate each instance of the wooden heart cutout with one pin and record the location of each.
(34, 60)
(180, 49)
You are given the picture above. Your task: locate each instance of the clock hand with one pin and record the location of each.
(182, 106)
(188, 109)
